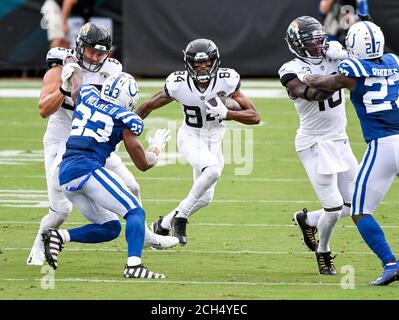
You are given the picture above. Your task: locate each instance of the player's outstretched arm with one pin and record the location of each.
(298, 89)
(136, 151)
(157, 101)
(332, 82)
(248, 114)
(50, 95)
(142, 159)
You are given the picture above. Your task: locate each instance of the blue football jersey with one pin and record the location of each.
(96, 129)
(376, 95)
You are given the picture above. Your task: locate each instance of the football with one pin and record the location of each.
(230, 103)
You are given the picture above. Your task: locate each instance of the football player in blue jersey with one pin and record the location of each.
(373, 80)
(93, 45)
(100, 121)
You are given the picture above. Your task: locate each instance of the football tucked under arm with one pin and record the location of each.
(230, 103)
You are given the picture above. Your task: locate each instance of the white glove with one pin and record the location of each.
(302, 74)
(219, 111)
(335, 51)
(157, 143)
(67, 71)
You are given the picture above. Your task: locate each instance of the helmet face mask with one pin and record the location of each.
(196, 53)
(306, 38)
(121, 89)
(93, 45)
(365, 40)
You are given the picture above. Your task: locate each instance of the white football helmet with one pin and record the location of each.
(365, 40)
(121, 89)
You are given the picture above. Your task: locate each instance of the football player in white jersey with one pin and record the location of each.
(321, 141)
(93, 45)
(200, 136)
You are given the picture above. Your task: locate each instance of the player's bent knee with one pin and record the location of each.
(213, 173)
(323, 179)
(333, 201)
(135, 189)
(58, 217)
(63, 208)
(114, 228)
(138, 212)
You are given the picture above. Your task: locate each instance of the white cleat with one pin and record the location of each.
(159, 242)
(36, 258)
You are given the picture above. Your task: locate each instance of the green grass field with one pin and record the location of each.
(242, 246)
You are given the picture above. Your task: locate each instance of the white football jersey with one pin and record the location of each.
(318, 120)
(180, 86)
(58, 126)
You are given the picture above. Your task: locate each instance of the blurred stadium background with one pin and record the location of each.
(243, 246)
(150, 35)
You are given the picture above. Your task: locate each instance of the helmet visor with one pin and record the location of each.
(315, 47)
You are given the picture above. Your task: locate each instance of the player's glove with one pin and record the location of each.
(67, 71)
(302, 74)
(335, 51)
(157, 143)
(219, 111)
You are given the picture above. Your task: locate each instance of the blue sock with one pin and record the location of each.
(96, 233)
(374, 237)
(135, 220)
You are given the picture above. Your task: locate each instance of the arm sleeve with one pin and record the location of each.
(132, 121)
(352, 68)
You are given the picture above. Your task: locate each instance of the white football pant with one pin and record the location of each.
(379, 166)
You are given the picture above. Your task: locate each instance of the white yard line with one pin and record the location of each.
(158, 281)
(238, 252)
(275, 92)
(273, 180)
(206, 224)
(44, 204)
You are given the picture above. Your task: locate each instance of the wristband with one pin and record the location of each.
(306, 93)
(65, 93)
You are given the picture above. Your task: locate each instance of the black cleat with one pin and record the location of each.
(179, 229)
(140, 271)
(325, 263)
(307, 232)
(53, 245)
(157, 227)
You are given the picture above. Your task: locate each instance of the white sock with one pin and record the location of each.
(133, 261)
(313, 217)
(50, 220)
(148, 235)
(326, 226)
(346, 212)
(200, 204)
(64, 235)
(209, 176)
(168, 218)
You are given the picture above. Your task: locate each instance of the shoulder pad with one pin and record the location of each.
(111, 66)
(294, 66)
(230, 76)
(352, 68)
(56, 56)
(174, 81)
(394, 59)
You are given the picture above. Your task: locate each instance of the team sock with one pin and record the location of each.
(373, 235)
